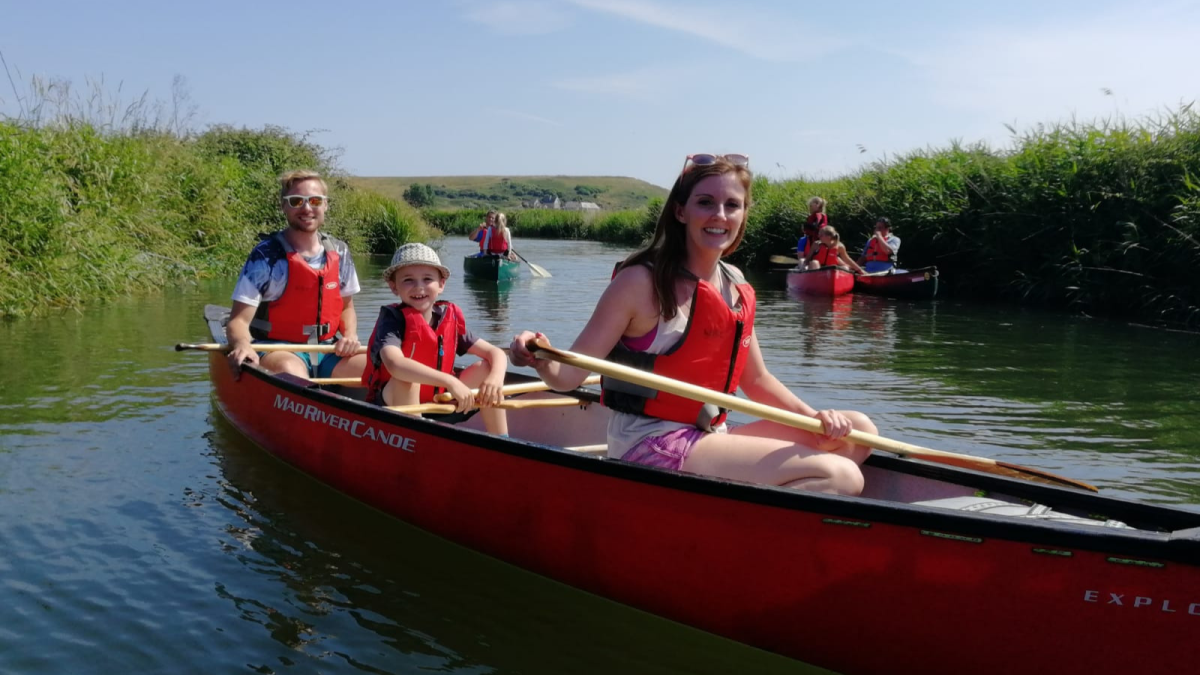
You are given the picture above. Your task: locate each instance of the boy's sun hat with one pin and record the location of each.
(415, 254)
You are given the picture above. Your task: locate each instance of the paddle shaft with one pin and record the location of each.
(514, 389)
(786, 417)
(261, 347)
(422, 408)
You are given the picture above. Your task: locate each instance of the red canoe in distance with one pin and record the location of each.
(827, 281)
(918, 284)
(934, 569)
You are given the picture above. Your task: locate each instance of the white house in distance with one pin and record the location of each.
(586, 207)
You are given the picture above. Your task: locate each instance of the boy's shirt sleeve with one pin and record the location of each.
(466, 339)
(389, 331)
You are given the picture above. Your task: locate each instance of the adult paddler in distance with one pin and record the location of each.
(676, 309)
(297, 286)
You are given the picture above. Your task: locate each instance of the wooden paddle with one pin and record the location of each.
(422, 408)
(783, 260)
(691, 391)
(344, 381)
(513, 389)
(259, 347)
(537, 270)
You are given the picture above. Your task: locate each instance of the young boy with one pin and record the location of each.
(410, 357)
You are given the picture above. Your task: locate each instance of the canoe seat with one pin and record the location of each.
(995, 507)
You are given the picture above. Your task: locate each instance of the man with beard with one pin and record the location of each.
(297, 286)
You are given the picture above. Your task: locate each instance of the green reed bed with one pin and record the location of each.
(89, 211)
(1101, 218)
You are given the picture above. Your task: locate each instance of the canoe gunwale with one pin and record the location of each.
(1142, 544)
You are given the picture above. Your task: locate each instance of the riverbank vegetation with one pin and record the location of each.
(103, 199)
(1101, 218)
(508, 193)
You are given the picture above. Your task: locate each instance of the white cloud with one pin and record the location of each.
(520, 17)
(730, 24)
(517, 114)
(1044, 73)
(643, 83)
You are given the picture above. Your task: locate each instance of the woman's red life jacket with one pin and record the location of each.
(311, 299)
(711, 353)
(422, 343)
(875, 252)
(827, 256)
(493, 241)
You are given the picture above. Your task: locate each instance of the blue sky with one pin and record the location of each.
(622, 87)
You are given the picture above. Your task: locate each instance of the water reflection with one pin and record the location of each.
(488, 302)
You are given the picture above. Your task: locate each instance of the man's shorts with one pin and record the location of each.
(325, 362)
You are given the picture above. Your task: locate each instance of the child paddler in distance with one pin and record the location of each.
(642, 319)
(297, 286)
(410, 355)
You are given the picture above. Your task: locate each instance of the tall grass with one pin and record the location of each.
(103, 199)
(1097, 217)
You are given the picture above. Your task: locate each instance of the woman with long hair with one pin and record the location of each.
(676, 309)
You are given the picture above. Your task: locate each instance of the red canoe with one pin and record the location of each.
(935, 569)
(918, 284)
(827, 281)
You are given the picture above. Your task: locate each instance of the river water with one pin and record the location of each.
(141, 533)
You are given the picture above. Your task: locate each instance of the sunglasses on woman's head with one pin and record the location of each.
(296, 201)
(703, 159)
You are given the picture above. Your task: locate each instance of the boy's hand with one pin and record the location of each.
(491, 392)
(463, 398)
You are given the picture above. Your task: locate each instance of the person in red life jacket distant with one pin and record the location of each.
(831, 252)
(816, 220)
(494, 236)
(297, 286)
(410, 355)
(879, 255)
(676, 309)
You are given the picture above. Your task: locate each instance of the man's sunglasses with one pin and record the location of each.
(296, 201)
(704, 159)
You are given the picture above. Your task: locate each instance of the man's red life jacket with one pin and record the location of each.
(311, 303)
(876, 252)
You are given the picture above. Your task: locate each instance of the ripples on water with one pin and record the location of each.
(142, 534)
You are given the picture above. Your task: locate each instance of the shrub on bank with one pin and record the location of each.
(88, 215)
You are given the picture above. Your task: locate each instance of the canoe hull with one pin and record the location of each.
(827, 281)
(918, 284)
(491, 267)
(814, 577)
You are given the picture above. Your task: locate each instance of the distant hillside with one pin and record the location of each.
(612, 193)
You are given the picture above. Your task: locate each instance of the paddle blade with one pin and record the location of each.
(784, 260)
(538, 270)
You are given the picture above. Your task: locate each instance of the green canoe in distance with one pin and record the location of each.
(491, 267)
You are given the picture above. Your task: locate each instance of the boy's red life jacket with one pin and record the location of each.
(875, 252)
(311, 303)
(422, 343)
(711, 353)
